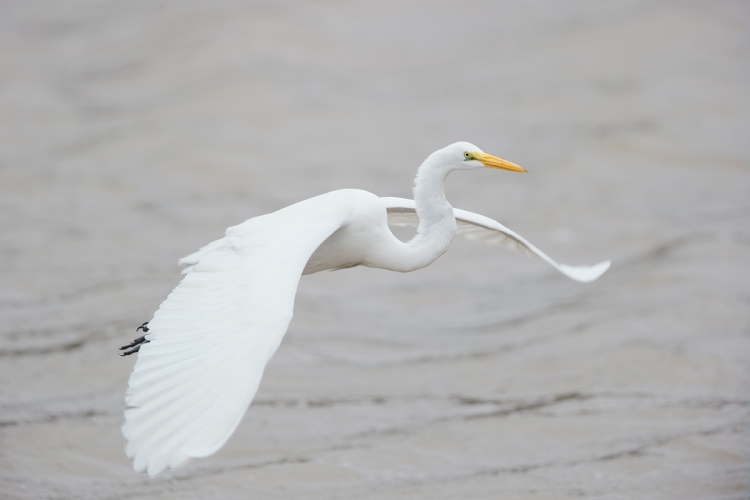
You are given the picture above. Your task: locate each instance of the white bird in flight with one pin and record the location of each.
(203, 353)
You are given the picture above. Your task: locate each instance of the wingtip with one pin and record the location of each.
(156, 465)
(585, 274)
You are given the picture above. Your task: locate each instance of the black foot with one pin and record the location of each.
(128, 353)
(136, 344)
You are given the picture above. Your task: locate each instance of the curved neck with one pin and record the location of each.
(437, 223)
(435, 213)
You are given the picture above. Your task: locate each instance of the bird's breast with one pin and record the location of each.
(350, 245)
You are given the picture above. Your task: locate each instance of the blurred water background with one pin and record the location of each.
(133, 132)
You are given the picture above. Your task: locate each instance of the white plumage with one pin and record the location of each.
(201, 362)
(476, 227)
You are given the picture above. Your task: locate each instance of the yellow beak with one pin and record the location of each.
(495, 162)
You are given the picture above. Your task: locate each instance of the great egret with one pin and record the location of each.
(203, 353)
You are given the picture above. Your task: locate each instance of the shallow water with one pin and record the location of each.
(134, 132)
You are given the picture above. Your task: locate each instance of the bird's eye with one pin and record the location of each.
(467, 155)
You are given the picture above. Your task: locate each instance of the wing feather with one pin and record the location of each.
(476, 227)
(210, 340)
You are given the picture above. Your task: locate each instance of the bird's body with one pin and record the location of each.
(365, 240)
(206, 348)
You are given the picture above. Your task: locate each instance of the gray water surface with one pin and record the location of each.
(132, 133)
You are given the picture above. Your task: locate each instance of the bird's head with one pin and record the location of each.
(466, 156)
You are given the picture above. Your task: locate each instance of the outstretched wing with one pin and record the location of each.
(210, 340)
(401, 212)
